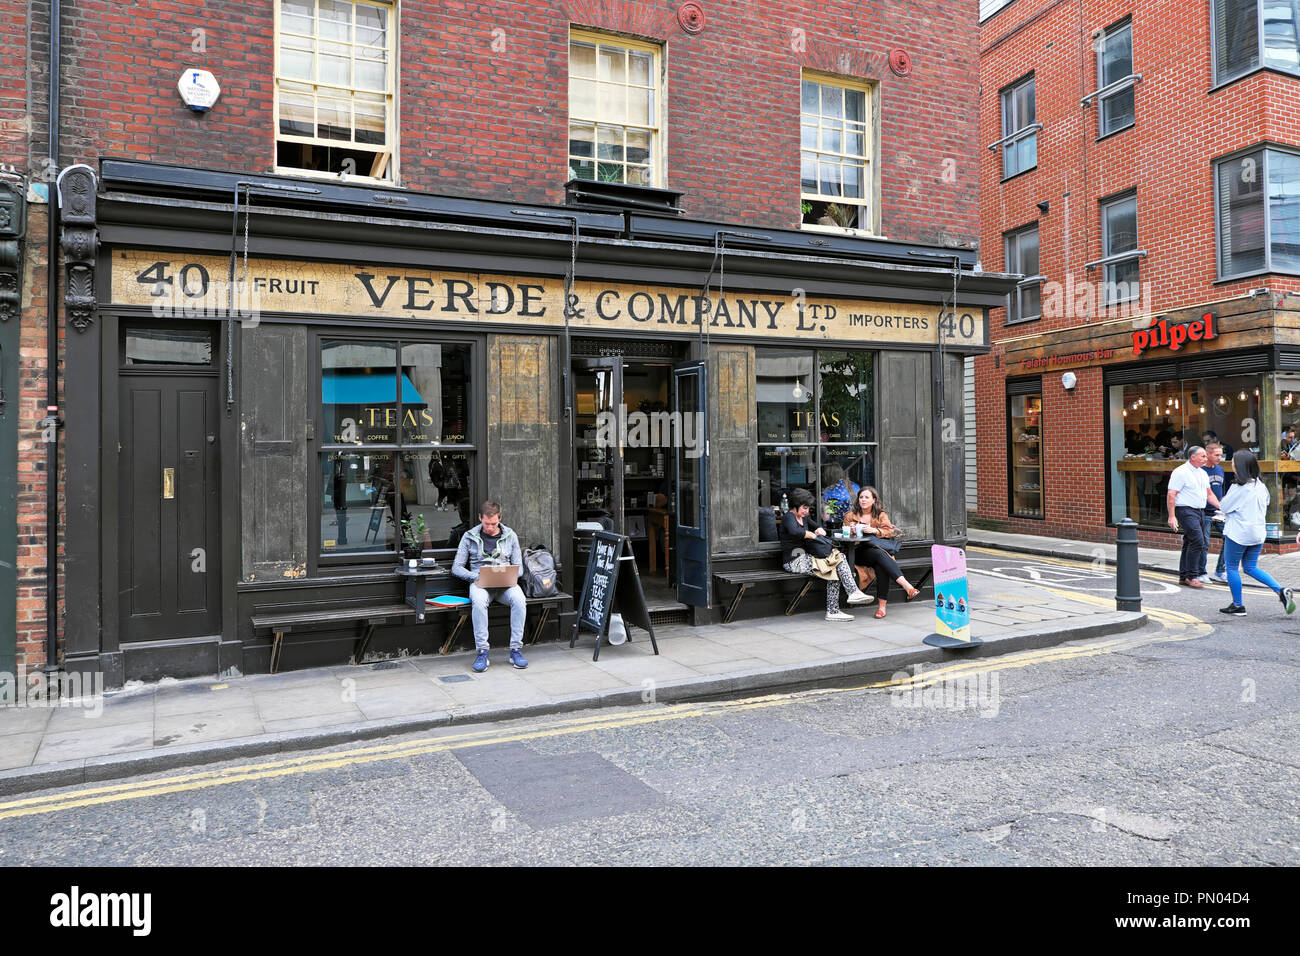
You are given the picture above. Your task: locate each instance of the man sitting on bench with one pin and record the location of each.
(486, 545)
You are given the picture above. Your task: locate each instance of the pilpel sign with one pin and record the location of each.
(1161, 333)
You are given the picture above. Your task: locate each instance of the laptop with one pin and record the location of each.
(501, 576)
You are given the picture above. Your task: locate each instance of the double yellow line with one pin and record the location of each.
(1177, 627)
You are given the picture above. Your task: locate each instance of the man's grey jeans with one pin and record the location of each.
(513, 598)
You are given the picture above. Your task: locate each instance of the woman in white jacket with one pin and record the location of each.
(1245, 506)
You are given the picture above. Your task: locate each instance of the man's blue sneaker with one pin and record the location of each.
(481, 662)
(517, 658)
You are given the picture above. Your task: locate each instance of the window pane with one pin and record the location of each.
(1121, 227)
(1117, 111)
(844, 470)
(1122, 281)
(372, 25)
(1282, 34)
(438, 487)
(1236, 37)
(335, 64)
(832, 134)
(296, 112)
(582, 169)
(808, 173)
(1117, 56)
(640, 66)
(1241, 214)
(781, 469)
(855, 143)
(1025, 455)
(785, 396)
(638, 146)
(808, 97)
(830, 179)
(855, 105)
(1031, 306)
(582, 60)
(640, 175)
(371, 70)
(167, 347)
(1284, 209)
(611, 101)
(612, 65)
(296, 59)
(359, 392)
(640, 106)
(335, 20)
(609, 142)
(435, 383)
(582, 98)
(832, 101)
(808, 136)
(582, 139)
(358, 502)
(333, 118)
(370, 116)
(847, 400)
(298, 16)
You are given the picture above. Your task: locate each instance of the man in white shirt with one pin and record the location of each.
(1189, 490)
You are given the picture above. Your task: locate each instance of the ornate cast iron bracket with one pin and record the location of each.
(79, 240)
(13, 223)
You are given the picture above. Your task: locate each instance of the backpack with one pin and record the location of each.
(538, 577)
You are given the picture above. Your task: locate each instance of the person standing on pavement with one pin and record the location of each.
(1213, 455)
(490, 542)
(1246, 506)
(1189, 490)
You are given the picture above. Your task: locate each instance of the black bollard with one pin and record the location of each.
(1128, 589)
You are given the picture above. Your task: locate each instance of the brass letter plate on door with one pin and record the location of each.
(169, 483)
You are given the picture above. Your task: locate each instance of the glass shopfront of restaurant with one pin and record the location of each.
(1154, 413)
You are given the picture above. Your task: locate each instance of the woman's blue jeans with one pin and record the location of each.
(1246, 555)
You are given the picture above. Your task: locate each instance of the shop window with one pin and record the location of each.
(1153, 424)
(1115, 79)
(1119, 250)
(1021, 246)
(395, 443)
(1019, 143)
(1254, 34)
(334, 88)
(816, 429)
(613, 110)
(1025, 454)
(1258, 199)
(837, 178)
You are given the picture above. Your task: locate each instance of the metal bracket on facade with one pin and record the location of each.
(13, 223)
(79, 241)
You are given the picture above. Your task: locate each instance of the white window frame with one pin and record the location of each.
(1260, 37)
(658, 151)
(1116, 87)
(1109, 260)
(1261, 181)
(869, 203)
(1013, 137)
(1014, 305)
(389, 154)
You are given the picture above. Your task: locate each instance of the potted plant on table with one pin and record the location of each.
(413, 535)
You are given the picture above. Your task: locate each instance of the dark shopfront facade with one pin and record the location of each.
(401, 353)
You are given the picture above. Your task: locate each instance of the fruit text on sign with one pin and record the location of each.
(1161, 333)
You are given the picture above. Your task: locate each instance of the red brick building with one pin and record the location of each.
(1142, 172)
(357, 147)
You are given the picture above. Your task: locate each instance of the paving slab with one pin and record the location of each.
(94, 742)
(18, 750)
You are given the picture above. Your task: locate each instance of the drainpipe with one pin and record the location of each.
(51, 423)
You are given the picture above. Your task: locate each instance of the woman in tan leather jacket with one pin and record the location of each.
(873, 562)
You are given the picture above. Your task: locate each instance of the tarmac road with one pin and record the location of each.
(1175, 745)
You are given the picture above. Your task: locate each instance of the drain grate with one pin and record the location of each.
(666, 618)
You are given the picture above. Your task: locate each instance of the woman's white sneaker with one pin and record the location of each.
(861, 597)
(838, 616)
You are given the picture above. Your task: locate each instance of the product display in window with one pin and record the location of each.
(1025, 456)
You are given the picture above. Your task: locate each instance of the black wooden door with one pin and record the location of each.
(691, 399)
(169, 548)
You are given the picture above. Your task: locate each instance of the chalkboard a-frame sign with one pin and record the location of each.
(612, 584)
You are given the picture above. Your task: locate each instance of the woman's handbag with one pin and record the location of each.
(865, 577)
(827, 568)
(818, 547)
(887, 545)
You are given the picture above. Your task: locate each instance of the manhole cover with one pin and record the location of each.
(455, 678)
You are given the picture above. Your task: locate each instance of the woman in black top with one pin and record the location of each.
(798, 527)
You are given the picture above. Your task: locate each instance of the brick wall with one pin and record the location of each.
(1182, 127)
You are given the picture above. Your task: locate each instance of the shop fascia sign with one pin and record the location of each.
(1163, 334)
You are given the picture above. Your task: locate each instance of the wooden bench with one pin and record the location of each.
(370, 617)
(743, 580)
(465, 612)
